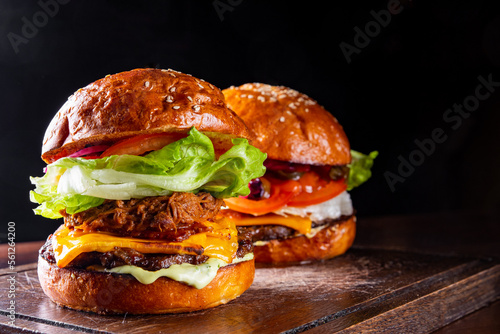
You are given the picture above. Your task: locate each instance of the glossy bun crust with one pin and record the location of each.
(108, 293)
(326, 244)
(288, 125)
(136, 102)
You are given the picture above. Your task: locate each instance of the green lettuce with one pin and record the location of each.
(187, 165)
(359, 168)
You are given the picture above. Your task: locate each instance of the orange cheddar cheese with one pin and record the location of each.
(221, 242)
(301, 224)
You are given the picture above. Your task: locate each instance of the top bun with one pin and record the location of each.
(140, 101)
(288, 125)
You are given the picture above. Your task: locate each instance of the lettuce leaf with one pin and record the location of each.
(187, 165)
(359, 168)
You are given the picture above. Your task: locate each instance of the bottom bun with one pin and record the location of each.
(109, 293)
(329, 242)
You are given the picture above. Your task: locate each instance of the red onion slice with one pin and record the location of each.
(89, 150)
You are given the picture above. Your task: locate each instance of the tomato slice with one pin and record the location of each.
(315, 190)
(281, 193)
(141, 144)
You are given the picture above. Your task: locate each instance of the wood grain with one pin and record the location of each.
(361, 290)
(484, 321)
(431, 311)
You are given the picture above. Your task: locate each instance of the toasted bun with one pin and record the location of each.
(327, 243)
(288, 125)
(136, 102)
(108, 293)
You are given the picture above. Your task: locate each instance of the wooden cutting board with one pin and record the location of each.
(361, 291)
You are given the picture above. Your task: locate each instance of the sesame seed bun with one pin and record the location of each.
(140, 101)
(117, 107)
(288, 125)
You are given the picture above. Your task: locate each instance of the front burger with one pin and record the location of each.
(139, 163)
(300, 210)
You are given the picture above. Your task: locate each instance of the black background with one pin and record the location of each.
(394, 91)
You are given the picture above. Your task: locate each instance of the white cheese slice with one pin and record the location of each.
(340, 205)
(197, 276)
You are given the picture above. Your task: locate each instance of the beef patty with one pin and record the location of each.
(272, 232)
(127, 256)
(171, 218)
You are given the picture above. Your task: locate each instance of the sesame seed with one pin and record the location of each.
(250, 96)
(146, 84)
(211, 86)
(261, 98)
(282, 96)
(176, 107)
(273, 99)
(243, 95)
(172, 89)
(306, 110)
(288, 112)
(282, 119)
(172, 75)
(169, 99)
(190, 98)
(200, 85)
(196, 108)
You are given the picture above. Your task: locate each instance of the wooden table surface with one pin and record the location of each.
(404, 274)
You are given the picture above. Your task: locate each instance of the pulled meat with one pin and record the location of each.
(173, 218)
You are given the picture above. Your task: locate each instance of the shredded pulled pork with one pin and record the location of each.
(172, 218)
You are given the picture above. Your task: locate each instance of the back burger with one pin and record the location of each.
(300, 209)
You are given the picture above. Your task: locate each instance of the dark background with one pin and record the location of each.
(394, 91)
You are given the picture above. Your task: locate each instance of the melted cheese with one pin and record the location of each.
(198, 276)
(301, 224)
(299, 218)
(340, 205)
(220, 243)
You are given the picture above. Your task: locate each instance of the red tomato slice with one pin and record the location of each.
(141, 144)
(281, 193)
(315, 190)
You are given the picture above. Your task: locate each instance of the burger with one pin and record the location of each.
(300, 210)
(139, 164)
